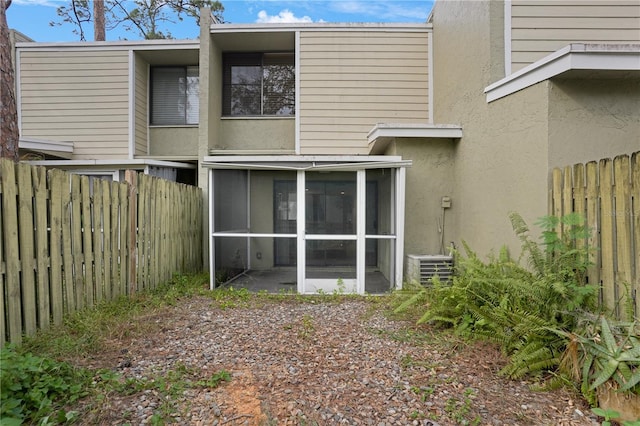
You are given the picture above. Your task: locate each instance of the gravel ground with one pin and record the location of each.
(323, 363)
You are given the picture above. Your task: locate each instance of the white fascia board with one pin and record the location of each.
(604, 57)
(309, 166)
(64, 148)
(299, 158)
(449, 131)
(111, 45)
(112, 163)
(268, 27)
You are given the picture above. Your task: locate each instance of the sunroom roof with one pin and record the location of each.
(304, 162)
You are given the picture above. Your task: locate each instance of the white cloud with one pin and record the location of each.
(284, 17)
(49, 3)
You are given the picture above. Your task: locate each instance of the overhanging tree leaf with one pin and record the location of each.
(150, 19)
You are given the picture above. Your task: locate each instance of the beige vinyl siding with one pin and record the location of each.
(141, 103)
(352, 80)
(79, 97)
(539, 28)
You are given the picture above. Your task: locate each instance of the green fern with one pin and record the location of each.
(518, 307)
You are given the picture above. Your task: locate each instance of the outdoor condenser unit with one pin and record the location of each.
(422, 268)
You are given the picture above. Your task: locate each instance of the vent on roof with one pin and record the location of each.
(422, 268)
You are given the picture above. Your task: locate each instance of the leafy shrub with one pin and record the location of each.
(602, 350)
(519, 307)
(33, 388)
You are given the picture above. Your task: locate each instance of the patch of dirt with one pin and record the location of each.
(323, 363)
(239, 399)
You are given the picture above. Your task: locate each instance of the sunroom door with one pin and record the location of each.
(331, 219)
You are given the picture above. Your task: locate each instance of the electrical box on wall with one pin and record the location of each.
(446, 202)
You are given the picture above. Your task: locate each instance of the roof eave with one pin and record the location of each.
(577, 56)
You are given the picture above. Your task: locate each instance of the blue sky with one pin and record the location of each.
(32, 17)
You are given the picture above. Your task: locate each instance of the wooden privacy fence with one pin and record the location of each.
(68, 242)
(607, 195)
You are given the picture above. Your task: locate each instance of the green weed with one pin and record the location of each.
(307, 327)
(34, 389)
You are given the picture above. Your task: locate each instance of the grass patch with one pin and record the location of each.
(35, 388)
(90, 329)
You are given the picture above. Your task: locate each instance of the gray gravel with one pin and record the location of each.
(317, 363)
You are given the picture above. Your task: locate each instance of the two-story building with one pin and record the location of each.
(334, 155)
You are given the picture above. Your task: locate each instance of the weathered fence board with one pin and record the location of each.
(607, 242)
(593, 222)
(635, 212)
(124, 239)
(3, 322)
(87, 241)
(131, 179)
(39, 176)
(622, 196)
(56, 183)
(143, 223)
(69, 242)
(27, 252)
(69, 301)
(98, 247)
(106, 237)
(76, 243)
(607, 195)
(12, 259)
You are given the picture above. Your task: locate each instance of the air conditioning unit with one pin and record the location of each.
(422, 268)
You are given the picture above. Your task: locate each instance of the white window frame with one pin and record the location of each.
(227, 68)
(191, 100)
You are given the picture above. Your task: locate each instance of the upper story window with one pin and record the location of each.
(174, 95)
(259, 84)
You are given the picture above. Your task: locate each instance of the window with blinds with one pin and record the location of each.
(174, 95)
(257, 84)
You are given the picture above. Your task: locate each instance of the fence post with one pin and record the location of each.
(130, 177)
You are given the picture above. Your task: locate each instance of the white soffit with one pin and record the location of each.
(597, 57)
(383, 133)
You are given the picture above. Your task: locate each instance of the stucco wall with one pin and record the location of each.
(256, 134)
(593, 119)
(430, 177)
(172, 141)
(501, 161)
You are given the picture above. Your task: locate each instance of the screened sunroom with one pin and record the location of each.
(346, 234)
